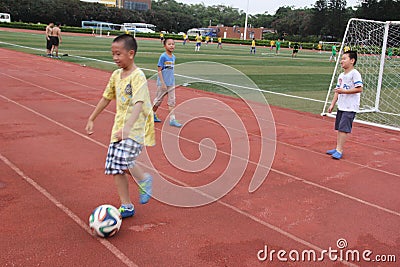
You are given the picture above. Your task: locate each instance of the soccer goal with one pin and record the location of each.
(377, 44)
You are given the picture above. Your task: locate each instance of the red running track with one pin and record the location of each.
(52, 178)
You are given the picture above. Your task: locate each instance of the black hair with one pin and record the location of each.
(165, 40)
(352, 55)
(129, 41)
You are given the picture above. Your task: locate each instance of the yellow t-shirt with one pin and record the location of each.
(207, 38)
(253, 43)
(184, 36)
(346, 48)
(127, 92)
(199, 38)
(219, 40)
(272, 43)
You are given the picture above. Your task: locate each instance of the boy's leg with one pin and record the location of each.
(171, 107)
(122, 184)
(341, 140)
(145, 181)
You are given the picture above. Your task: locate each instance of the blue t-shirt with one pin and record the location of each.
(167, 69)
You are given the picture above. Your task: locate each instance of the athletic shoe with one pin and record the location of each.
(145, 189)
(337, 155)
(126, 211)
(331, 152)
(156, 119)
(175, 123)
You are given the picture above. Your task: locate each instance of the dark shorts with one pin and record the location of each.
(54, 40)
(48, 44)
(121, 156)
(344, 121)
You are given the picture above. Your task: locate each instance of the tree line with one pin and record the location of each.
(326, 19)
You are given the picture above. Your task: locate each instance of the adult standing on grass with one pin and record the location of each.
(49, 45)
(133, 123)
(347, 95)
(166, 82)
(56, 39)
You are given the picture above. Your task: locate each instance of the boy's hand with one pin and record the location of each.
(89, 127)
(330, 108)
(340, 90)
(122, 134)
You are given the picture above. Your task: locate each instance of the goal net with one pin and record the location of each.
(378, 45)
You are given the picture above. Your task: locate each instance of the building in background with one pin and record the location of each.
(140, 5)
(108, 3)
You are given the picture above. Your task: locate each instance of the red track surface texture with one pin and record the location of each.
(52, 178)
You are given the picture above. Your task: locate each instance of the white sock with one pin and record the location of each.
(172, 117)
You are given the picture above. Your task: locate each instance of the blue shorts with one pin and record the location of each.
(344, 121)
(121, 156)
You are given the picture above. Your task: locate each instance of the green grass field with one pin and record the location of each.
(307, 76)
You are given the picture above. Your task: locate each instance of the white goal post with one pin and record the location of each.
(378, 48)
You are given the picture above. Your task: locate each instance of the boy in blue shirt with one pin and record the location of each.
(166, 82)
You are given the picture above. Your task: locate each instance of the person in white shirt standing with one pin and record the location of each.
(347, 96)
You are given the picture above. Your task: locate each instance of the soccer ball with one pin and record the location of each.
(105, 220)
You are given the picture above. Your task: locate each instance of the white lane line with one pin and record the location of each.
(114, 250)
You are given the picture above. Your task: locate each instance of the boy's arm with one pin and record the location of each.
(103, 103)
(334, 100)
(159, 73)
(124, 132)
(355, 90)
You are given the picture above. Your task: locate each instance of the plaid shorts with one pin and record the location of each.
(121, 156)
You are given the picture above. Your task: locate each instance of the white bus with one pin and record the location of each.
(5, 17)
(140, 27)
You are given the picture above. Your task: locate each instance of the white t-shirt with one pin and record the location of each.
(349, 102)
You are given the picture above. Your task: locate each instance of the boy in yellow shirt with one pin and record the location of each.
(133, 123)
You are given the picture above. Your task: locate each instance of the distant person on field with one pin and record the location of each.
(166, 82)
(185, 38)
(347, 96)
(253, 46)
(49, 45)
(207, 40)
(319, 47)
(199, 39)
(278, 46)
(295, 50)
(272, 45)
(133, 123)
(219, 45)
(56, 39)
(162, 37)
(333, 54)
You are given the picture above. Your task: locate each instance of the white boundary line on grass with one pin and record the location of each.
(193, 78)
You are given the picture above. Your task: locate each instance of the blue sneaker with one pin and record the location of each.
(331, 152)
(127, 210)
(156, 119)
(145, 189)
(337, 155)
(175, 123)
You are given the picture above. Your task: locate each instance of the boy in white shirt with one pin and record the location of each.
(347, 96)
